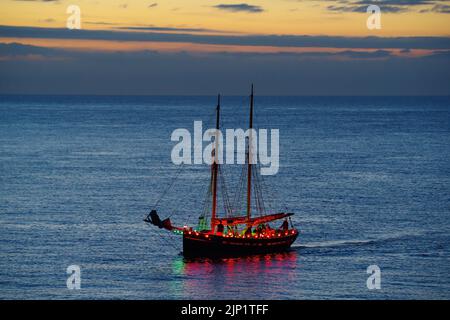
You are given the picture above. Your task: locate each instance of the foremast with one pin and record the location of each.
(214, 168)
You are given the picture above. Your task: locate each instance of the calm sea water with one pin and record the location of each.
(368, 178)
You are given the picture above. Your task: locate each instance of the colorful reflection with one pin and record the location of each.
(204, 278)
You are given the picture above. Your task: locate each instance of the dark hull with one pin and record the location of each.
(213, 246)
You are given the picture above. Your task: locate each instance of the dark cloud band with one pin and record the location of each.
(241, 7)
(248, 40)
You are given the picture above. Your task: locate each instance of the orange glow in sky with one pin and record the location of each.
(281, 17)
(276, 17)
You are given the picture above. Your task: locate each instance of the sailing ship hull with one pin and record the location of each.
(200, 245)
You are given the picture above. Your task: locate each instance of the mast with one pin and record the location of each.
(214, 168)
(249, 154)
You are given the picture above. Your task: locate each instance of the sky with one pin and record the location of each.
(201, 47)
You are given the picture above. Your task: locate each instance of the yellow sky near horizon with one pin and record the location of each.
(279, 17)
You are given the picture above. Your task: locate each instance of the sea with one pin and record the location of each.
(368, 179)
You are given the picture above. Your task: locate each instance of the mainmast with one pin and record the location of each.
(249, 159)
(214, 167)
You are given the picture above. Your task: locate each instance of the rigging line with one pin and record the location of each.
(229, 206)
(258, 193)
(223, 192)
(237, 193)
(206, 201)
(225, 197)
(273, 196)
(257, 204)
(212, 114)
(275, 192)
(255, 197)
(262, 189)
(256, 185)
(260, 178)
(255, 190)
(241, 193)
(270, 196)
(169, 186)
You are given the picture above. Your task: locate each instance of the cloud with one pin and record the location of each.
(241, 7)
(378, 54)
(152, 5)
(363, 9)
(344, 73)
(394, 2)
(101, 23)
(48, 20)
(21, 50)
(386, 6)
(155, 28)
(425, 42)
(438, 8)
(18, 49)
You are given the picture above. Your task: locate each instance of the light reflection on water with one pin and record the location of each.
(207, 278)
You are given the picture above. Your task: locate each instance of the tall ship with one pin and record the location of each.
(234, 234)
